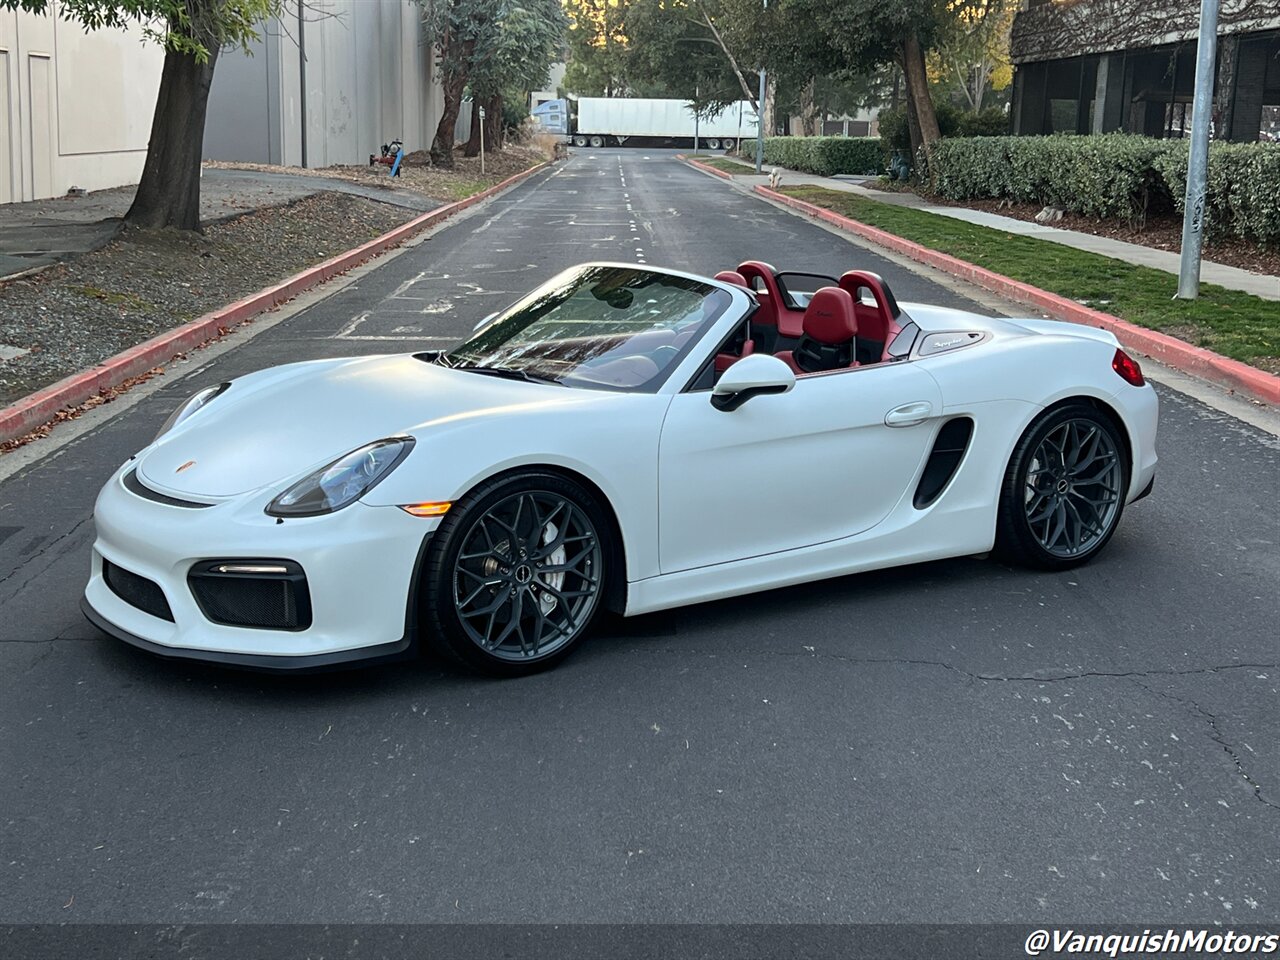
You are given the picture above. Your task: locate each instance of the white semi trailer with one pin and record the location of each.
(613, 121)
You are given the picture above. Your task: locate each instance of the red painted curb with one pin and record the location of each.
(1168, 350)
(702, 166)
(39, 408)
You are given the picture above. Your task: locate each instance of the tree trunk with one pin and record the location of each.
(493, 133)
(913, 130)
(473, 141)
(770, 118)
(810, 121)
(452, 85)
(918, 92)
(169, 192)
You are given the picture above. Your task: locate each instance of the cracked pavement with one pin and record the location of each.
(953, 741)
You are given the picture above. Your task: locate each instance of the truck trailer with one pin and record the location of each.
(633, 121)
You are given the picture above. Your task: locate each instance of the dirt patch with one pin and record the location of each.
(418, 175)
(1159, 233)
(77, 314)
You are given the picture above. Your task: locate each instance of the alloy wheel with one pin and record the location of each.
(1073, 488)
(528, 576)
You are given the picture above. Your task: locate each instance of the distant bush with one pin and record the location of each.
(825, 156)
(1115, 175)
(991, 122)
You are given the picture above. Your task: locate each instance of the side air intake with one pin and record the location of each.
(944, 458)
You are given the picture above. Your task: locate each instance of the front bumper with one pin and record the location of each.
(361, 564)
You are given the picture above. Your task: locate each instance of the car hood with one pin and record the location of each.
(279, 424)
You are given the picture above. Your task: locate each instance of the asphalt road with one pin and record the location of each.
(949, 742)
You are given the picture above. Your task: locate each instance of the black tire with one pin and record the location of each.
(597, 142)
(1064, 490)
(533, 548)
(579, 141)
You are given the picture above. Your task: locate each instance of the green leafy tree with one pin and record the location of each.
(971, 58)
(193, 33)
(461, 30)
(598, 47)
(511, 59)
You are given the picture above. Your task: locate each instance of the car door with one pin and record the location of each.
(827, 460)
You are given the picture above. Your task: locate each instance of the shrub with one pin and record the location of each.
(895, 134)
(1243, 196)
(991, 122)
(1112, 175)
(825, 156)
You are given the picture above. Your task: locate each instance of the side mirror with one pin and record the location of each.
(485, 322)
(750, 377)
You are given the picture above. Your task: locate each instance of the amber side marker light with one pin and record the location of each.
(427, 509)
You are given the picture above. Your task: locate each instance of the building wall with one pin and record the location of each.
(1097, 66)
(368, 75)
(1056, 29)
(75, 108)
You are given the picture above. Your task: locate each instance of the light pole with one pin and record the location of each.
(1198, 162)
(760, 118)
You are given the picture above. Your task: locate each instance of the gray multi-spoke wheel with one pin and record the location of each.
(518, 573)
(1064, 490)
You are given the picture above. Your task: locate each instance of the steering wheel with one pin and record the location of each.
(664, 354)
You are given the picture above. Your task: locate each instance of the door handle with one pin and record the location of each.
(909, 414)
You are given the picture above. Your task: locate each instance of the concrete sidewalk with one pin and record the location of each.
(40, 232)
(1233, 278)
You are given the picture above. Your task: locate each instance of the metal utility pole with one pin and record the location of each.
(481, 109)
(696, 116)
(760, 118)
(1198, 162)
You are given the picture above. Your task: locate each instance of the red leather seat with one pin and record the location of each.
(734, 277)
(774, 319)
(829, 336)
(877, 322)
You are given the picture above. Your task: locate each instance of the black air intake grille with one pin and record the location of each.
(265, 601)
(136, 591)
(948, 451)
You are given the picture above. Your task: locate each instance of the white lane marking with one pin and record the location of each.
(399, 291)
(347, 330)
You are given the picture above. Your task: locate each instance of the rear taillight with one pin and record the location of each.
(1128, 368)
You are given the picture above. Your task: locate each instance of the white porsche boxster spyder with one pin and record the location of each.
(623, 438)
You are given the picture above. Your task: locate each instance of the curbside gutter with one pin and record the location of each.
(36, 409)
(1197, 361)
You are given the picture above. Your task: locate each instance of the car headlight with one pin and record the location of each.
(342, 482)
(200, 400)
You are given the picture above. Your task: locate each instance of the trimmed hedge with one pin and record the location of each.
(1114, 175)
(825, 156)
(1105, 176)
(1243, 187)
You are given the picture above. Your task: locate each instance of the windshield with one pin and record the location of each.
(603, 327)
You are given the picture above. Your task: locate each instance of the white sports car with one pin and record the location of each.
(622, 438)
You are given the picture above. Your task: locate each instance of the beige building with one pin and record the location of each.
(76, 107)
(328, 84)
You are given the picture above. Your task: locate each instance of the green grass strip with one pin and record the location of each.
(1229, 322)
(720, 163)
